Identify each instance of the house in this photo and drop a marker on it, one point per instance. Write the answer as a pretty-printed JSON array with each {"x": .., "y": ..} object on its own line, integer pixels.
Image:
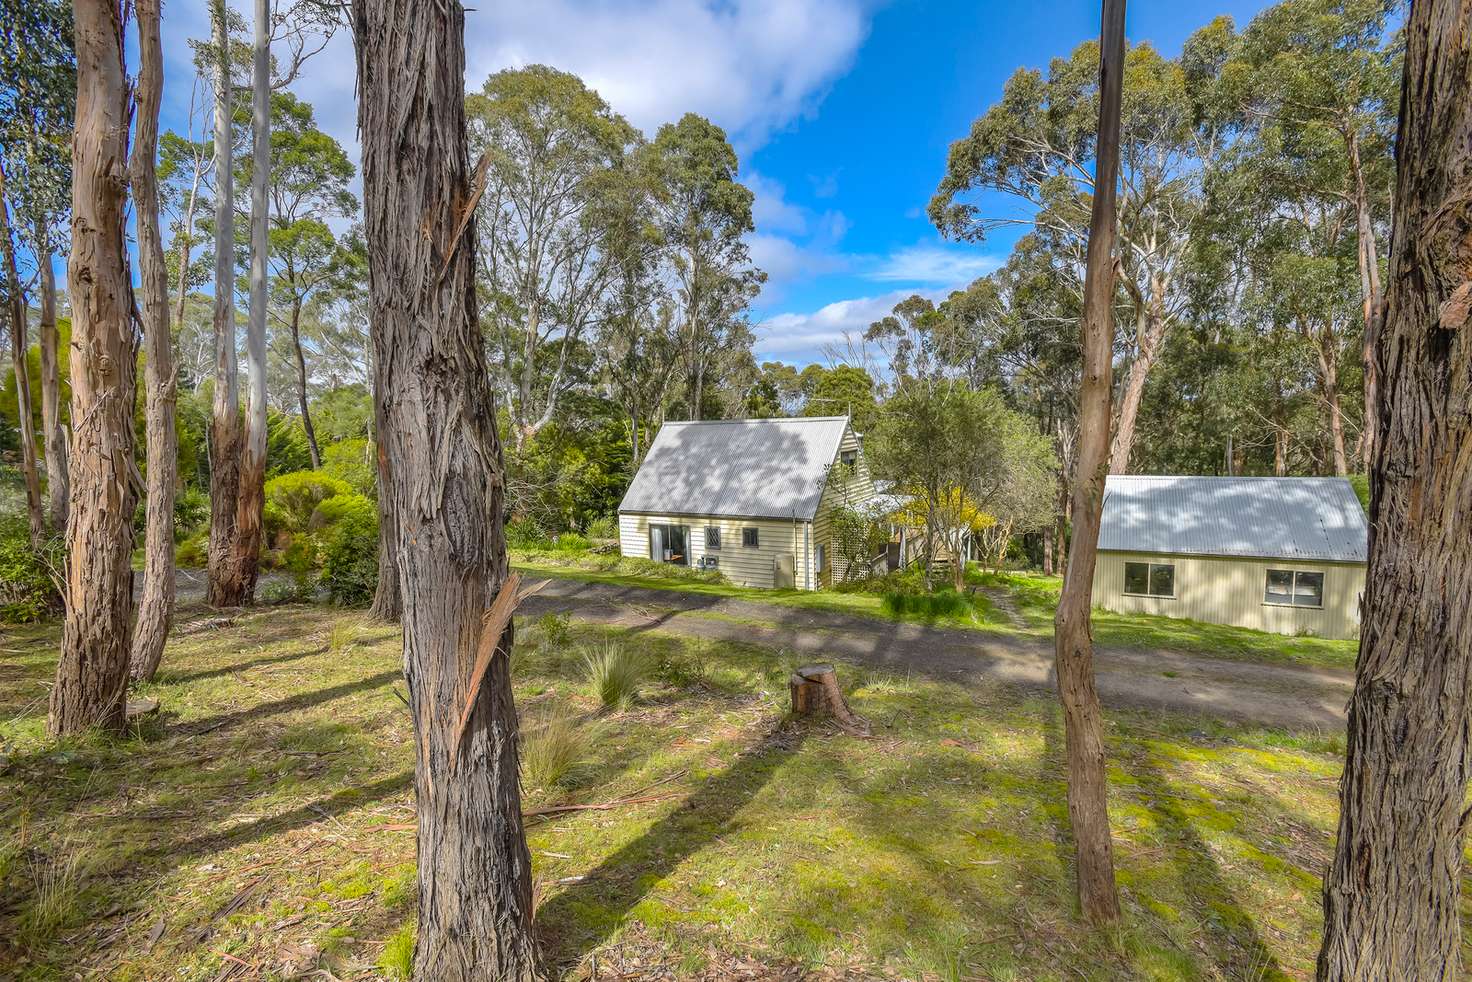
[
  {"x": 1280, "y": 554},
  {"x": 748, "y": 497}
]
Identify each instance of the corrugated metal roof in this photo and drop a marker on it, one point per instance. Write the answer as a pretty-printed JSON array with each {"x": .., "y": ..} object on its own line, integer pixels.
[
  {"x": 746, "y": 468},
  {"x": 1267, "y": 517}
]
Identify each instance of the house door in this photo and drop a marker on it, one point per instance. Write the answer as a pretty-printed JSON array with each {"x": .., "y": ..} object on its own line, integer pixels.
[
  {"x": 670, "y": 544},
  {"x": 784, "y": 574}
]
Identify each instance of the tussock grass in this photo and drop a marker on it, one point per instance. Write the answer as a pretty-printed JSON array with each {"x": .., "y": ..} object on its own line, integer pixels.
[
  {"x": 396, "y": 961},
  {"x": 344, "y": 635},
  {"x": 615, "y": 672},
  {"x": 57, "y": 881},
  {"x": 553, "y": 742}
]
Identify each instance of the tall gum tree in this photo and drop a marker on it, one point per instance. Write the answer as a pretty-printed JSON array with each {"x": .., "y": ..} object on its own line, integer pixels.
[
  {"x": 1083, "y": 719},
  {"x": 156, "y": 610},
  {"x": 475, "y": 887},
  {"x": 92, "y": 674},
  {"x": 1392, "y": 898}
]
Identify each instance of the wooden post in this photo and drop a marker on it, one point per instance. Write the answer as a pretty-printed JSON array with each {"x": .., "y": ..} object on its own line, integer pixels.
[{"x": 815, "y": 692}]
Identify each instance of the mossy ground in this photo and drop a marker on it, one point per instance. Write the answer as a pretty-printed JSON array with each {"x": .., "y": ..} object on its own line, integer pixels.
[{"x": 264, "y": 820}]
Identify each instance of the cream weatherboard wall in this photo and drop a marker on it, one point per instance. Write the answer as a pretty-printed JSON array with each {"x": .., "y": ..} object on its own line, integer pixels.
[
  {"x": 742, "y": 565},
  {"x": 1228, "y": 590},
  {"x": 853, "y": 487}
]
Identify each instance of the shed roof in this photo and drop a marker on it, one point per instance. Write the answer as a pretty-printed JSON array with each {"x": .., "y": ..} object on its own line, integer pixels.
[
  {"x": 1317, "y": 518},
  {"x": 739, "y": 468}
]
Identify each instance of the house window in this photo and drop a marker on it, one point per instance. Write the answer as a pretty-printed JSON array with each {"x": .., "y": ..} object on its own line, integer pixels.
[
  {"x": 667, "y": 544},
  {"x": 849, "y": 458},
  {"x": 1294, "y": 588},
  {"x": 822, "y": 556},
  {"x": 750, "y": 538},
  {"x": 712, "y": 537},
  {"x": 1150, "y": 579}
]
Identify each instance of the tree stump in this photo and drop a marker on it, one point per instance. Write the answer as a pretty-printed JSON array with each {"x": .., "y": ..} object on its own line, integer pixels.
[{"x": 815, "y": 692}]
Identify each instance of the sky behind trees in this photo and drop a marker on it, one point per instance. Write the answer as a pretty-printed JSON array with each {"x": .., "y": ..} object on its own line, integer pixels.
[{"x": 841, "y": 112}]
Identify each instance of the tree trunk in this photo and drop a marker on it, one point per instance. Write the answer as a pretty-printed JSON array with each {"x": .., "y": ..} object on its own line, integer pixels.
[
  {"x": 1329, "y": 386},
  {"x": 301, "y": 380},
  {"x": 19, "y": 346},
  {"x": 1047, "y": 552},
  {"x": 475, "y": 887},
  {"x": 92, "y": 674},
  {"x": 156, "y": 611},
  {"x": 245, "y": 557},
  {"x": 1392, "y": 897},
  {"x": 388, "y": 603},
  {"x": 1134, "y": 394},
  {"x": 224, "y": 447},
  {"x": 1088, "y": 807},
  {"x": 1369, "y": 263},
  {"x": 54, "y": 434}
]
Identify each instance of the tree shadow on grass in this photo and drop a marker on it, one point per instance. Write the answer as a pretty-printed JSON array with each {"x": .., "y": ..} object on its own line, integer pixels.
[
  {"x": 1230, "y": 933},
  {"x": 581, "y": 918},
  {"x": 302, "y": 700},
  {"x": 167, "y": 677}
]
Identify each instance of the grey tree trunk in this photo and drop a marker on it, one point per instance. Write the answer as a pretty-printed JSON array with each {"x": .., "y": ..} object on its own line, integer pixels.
[
  {"x": 54, "y": 434},
  {"x": 224, "y": 447},
  {"x": 92, "y": 673},
  {"x": 1392, "y": 898},
  {"x": 156, "y": 611},
  {"x": 475, "y": 887},
  {"x": 19, "y": 345},
  {"x": 1088, "y": 807},
  {"x": 388, "y": 603}
]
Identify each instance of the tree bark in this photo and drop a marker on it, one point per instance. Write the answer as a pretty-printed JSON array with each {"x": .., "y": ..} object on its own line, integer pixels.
[
  {"x": 1088, "y": 808},
  {"x": 475, "y": 888},
  {"x": 1369, "y": 263},
  {"x": 19, "y": 346},
  {"x": 1393, "y": 894},
  {"x": 156, "y": 611},
  {"x": 221, "y": 590},
  {"x": 388, "y": 603},
  {"x": 1151, "y": 334},
  {"x": 245, "y": 555},
  {"x": 92, "y": 674},
  {"x": 301, "y": 381},
  {"x": 54, "y": 434}
]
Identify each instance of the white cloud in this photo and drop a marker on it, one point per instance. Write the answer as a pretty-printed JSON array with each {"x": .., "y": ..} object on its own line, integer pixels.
[
  {"x": 932, "y": 264},
  {"x": 834, "y": 324}
]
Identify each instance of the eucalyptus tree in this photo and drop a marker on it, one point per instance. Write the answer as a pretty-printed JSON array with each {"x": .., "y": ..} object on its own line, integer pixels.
[
  {"x": 549, "y": 146},
  {"x": 1393, "y": 896},
  {"x": 307, "y": 188},
  {"x": 474, "y": 869},
  {"x": 37, "y": 51},
  {"x": 1038, "y": 144},
  {"x": 92, "y": 672},
  {"x": 1320, "y": 83},
  {"x": 702, "y": 215}
]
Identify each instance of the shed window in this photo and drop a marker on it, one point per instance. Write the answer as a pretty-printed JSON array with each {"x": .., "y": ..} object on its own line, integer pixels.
[
  {"x": 1294, "y": 588},
  {"x": 1150, "y": 579},
  {"x": 712, "y": 537},
  {"x": 750, "y": 538},
  {"x": 849, "y": 458}
]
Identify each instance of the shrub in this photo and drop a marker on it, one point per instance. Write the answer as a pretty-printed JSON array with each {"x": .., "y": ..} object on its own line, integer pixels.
[
  {"x": 397, "y": 958},
  {"x": 555, "y": 629},
  {"x": 27, "y": 590},
  {"x": 571, "y": 542},
  {"x": 292, "y": 591},
  {"x": 352, "y": 461},
  {"x": 525, "y": 533},
  {"x": 603, "y": 528},
  {"x": 552, "y": 743},
  {"x": 292, "y": 498},
  {"x": 942, "y": 603},
  {"x": 191, "y": 511},
  {"x": 615, "y": 673},
  {"x": 350, "y": 550},
  {"x": 193, "y": 552}
]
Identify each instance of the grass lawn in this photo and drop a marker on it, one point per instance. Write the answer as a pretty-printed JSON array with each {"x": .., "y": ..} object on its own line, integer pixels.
[
  {"x": 264, "y": 821},
  {"x": 1033, "y": 595}
]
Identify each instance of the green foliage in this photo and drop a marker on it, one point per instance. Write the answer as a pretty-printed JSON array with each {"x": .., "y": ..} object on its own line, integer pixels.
[
  {"x": 844, "y": 389},
  {"x": 525, "y": 533},
  {"x": 286, "y": 444},
  {"x": 615, "y": 672},
  {"x": 191, "y": 510},
  {"x": 553, "y": 742},
  {"x": 927, "y": 606},
  {"x": 1361, "y": 485},
  {"x": 603, "y": 527},
  {"x": 554, "y": 629},
  {"x": 571, "y": 542},
  {"x": 193, "y": 551},
  {"x": 350, "y": 552},
  {"x": 573, "y": 470},
  {"x": 343, "y": 413},
  {"x": 27, "y": 590},
  {"x": 352, "y": 461},
  {"x": 292, "y": 498},
  {"x": 396, "y": 960}
]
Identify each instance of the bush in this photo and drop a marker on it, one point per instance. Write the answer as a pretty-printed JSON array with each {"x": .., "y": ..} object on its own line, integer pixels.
[
  {"x": 571, "y": 542},
  {"x": 352, "y": 461},
  {"x": 193, "y": 552},
  {"x": 615, "y": 673},
  {"x": 27, "y": 591},
  {"x": 191, "y": 511},
  {"x": 942, "y": 603},
  {"x": 603, "y": 528},
  {"x": 292, "y": 498},
  {"x": 552, "y": 743},
  {"x": 525, "y": 533},
  {"x": 554, "y": 629},
  {"x": 350, "y": 550}
]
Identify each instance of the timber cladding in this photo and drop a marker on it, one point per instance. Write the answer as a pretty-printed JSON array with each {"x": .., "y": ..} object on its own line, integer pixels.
[
  {"x": 742, "y": 564},
  {"x": 1234, "y": 590}
]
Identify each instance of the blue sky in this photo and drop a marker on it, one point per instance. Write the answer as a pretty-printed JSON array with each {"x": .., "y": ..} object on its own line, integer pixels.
[{"x": 841, "y": 111}]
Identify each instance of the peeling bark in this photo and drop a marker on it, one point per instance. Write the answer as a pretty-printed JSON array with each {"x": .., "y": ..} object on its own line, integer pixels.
[
  {"x": 446, "y": 487},
  {"x": 92, "y": 674},
  {"x": 156, "y": 611},
  {"x": 1393, "y": 895},
  {"x": 19, "y": 345}
]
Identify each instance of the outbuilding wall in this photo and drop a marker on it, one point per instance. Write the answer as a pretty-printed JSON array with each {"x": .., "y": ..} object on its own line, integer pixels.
[
  {"x": 852, "y": 488},
  {"x": 1223, "y": 590},
  {"x": 741, "y": 565}
]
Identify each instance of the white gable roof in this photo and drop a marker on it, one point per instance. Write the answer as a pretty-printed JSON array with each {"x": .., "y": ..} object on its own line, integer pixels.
[
  {"x": 741, "y": 468},
  {"x": 1317, "y": 518}
]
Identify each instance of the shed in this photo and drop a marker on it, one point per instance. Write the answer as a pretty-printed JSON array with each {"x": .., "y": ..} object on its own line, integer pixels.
[
  {"x": 1280, "y": 554},
  {"x": 748, "y": 497}
]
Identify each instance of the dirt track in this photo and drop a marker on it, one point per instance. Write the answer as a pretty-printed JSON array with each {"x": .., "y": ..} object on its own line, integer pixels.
[{"x": 1273, "y": 695}]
